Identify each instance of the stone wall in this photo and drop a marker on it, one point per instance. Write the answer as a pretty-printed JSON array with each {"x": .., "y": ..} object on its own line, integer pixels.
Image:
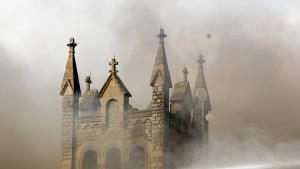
[
  {"x": 89, "y": 134},
  {"x": 69, "y": 109},
  {"x": 160, "y": 127}
]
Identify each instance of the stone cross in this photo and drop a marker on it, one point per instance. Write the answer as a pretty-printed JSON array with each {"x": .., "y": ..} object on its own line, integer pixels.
[
  {"x": 72, "y": 44},
  {"x": 185, "y": 72},
  {"x": 88, "y": 83},
  {"x": 113, "y": 64},
  {"x": 200, "y": 61}
]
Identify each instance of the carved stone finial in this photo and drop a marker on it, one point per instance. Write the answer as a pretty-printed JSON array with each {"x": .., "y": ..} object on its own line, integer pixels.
[
  {"x": 72, "y": 43},
  {"x": 201, "y": 61},
  {"x": 161, "y": 35},
  {"x": 88, "y": 83},
  {"x": 113, "y": 64}
]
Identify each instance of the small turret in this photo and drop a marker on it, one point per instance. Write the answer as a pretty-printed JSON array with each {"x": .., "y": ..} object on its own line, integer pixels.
[
  {"x": 181, "y": 103},
  {"x": 90, "y": 102}
]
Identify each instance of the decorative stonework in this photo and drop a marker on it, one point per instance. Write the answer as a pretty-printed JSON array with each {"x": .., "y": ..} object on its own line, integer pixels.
[{"x": 104, "y": 126}]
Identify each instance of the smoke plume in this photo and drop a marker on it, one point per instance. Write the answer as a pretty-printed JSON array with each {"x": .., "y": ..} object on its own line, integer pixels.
[{"x": 252, "y": 70}]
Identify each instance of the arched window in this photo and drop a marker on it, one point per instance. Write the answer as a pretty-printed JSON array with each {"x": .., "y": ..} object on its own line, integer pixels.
[
  {"x": 137, "y": 157},
  {"x": 89, "y": 160},
  {"x": 112, "y": 109},
  {"x": 113, "y": 159}
]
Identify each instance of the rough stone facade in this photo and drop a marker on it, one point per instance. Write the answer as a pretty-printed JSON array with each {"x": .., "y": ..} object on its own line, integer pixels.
[{"x": 102, "y": 130}]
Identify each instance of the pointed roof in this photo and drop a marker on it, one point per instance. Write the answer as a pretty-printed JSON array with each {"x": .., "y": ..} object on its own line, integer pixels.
[
  {"x": 181, "y": 88},
  {"x": 161, "y": 65},
  {"x": 89, "y": 99},
  {"x": 71, "y": 75},
  {"x": 109, "y": 79},
  {"x": 201, "y": 83},
  {"x": 113, "y": 75},
  {"x": 179, "y": 91}
]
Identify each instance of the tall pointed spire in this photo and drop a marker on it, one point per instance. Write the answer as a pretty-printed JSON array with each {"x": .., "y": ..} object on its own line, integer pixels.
[
  {"x": 201, "y": 82},
  {"x": 70, "y": 84},
  {"x": 161, "y": 74}
]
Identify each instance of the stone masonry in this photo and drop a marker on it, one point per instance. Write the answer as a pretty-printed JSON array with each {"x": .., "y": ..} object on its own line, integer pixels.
[{"x": 101, "y": 129}]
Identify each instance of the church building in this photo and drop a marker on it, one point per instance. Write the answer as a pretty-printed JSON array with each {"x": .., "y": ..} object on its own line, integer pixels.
[{"x": 101, "y": 129}]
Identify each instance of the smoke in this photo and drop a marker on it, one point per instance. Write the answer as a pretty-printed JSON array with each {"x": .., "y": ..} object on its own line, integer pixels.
[
  {"x": 229, "y": 152},
  {"x": 252, "y": 66},
  {"x": 252, "y": 70}
]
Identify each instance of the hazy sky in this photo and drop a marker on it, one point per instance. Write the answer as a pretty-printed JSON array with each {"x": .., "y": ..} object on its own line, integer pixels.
[{"x": 252, "y": 69}]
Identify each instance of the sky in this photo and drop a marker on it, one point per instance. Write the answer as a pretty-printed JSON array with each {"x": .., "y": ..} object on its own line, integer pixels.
[{"x": 252, "y": 68}]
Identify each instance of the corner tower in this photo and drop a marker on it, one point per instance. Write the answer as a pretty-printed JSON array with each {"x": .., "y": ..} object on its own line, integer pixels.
[
  {"x": 201, "y": 105},
  {"x": 161, "y": 83},
  {"x": 70, "y": 92},
  {"x": 182, "y": 103}
]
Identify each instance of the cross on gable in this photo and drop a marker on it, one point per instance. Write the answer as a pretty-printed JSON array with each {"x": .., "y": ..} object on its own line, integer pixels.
[{"x": 113, "y": 64}]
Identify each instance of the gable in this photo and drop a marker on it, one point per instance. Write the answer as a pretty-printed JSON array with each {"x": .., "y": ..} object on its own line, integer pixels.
[
  {"x": 158, "y": 79},
  {"x": 113, "y": 87},
  {"x": 67, "y": 88}
]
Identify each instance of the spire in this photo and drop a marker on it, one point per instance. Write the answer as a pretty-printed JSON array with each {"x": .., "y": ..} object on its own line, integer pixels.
[
  {"x": 113, "y": 64},
  {"x": 70, "y": 84},
  {"x": 185, "y": 73},
  {"x": 160, "y": 73},
  {"x": 201, "y": 83}
]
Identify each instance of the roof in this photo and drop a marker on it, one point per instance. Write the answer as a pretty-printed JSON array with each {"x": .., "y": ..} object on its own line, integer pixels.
[
  {"x": 179, "y": 90},
  {"x": 89, "y": 98},
  {"x": 71, "y": 75},
  {"x": 109, "y": 79},
  {"x": 161, "y": 67}
]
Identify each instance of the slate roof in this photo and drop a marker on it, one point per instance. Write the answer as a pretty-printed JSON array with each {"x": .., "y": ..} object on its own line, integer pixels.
[
  {"x": 89, "y": 99},
  {"x": 179, "y": 90}
]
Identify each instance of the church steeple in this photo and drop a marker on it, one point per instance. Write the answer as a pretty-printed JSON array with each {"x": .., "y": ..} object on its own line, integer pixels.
[
  {"x": 70, "y": 84},
  {"x": 160, "y": 73},
  {"x": 201, "y": 83}
]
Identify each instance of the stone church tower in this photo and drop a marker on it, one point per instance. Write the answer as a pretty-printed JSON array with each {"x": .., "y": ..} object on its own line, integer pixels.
[{"x": 103, "y": 131}]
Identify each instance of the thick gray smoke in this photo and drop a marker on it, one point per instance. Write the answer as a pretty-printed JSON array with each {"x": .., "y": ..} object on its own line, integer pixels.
[
  {"x": 247, "y": 153},
  {"x": 252, "y": 70}
]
